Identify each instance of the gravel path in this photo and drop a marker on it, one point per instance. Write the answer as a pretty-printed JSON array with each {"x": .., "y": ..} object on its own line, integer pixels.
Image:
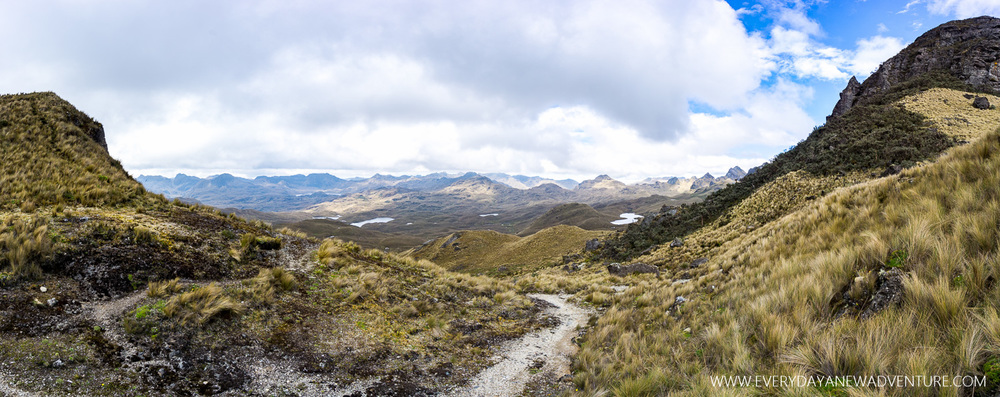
[{"x": 551, "y": 346}]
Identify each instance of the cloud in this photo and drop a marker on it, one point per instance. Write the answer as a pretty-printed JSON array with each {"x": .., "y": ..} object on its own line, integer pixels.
[
  {"x": 871, "y": 52},
  {"x": 572, "y": 88},
  {"x": 964, "y": 8}
]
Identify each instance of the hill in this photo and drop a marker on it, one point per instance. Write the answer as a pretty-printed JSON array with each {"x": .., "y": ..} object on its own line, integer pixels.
[
  {"x": 106, "y": 289},
  {"x": 875, "y": 133},
  {"x": 485, "y": 251}
]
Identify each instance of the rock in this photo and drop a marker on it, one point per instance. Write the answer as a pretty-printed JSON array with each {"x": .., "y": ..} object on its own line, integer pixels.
[
  {"x": 503, "y": 269},
  {"x": 52, "y": 302},
  {"x": 891, "y": 170},
  {"x": 847, "y": 98},
  {"x": 676, "y": 243},
  {"x": 966, "y": 49},
  {"x": 698, "y": 262},
  {"x": 680, "y": 300},
  {"x": 568, "y": 378},
  {"x": 592, "y": 245},
  {"x": 573, "y": 267},
  {"x": 621, "y": 271},
  {"x": 43, "y": 289},
  {"x": 969, "y": 96},
  {"x": 567, "y": 259},
  {"x": 981, "y": 103},
  {"x": 888, "y": 292}
]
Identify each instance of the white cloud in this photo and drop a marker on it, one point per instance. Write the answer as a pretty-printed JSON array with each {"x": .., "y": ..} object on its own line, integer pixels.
[
  {"x": 964, "y": 8},
  {"x": 882, "y": 28},
  {"x": 871, "y": 52}
]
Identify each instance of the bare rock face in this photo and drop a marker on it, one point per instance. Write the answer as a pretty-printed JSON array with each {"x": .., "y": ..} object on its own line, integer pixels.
[
  {"x": 847, "y": 98},
  {"x": 968, "y": 49}
]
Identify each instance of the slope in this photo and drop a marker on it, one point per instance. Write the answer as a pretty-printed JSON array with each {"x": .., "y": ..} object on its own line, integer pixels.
[
  {"x": 106, "y": 289},
  {"x": 484, "y": 251},
  {"x": 847, "y": 285},
  {"x": 874, "y": 132}
]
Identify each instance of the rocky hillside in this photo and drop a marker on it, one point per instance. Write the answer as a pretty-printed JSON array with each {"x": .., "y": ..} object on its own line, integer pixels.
[
  {"x": 876, "y": 134},
  {"x": 106, "y": 289}
]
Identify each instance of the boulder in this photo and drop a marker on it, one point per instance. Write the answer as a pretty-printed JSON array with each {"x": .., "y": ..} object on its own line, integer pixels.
[
  {"x": 592, "y": 245},
  {"x": 891, "y": 170},
  {"x": 888, "y": 292},
  {"x": 981, "y": 103},
  {"x": 621, "y": 271},
  {"x": 698, "y": 262},
  {"x": 676, "y": 243}
]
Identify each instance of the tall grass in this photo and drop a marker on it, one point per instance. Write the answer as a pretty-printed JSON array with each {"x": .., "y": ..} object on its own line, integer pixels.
[
  {"x": 772, "y": 309},
  {"x": 25, "y": 245}
]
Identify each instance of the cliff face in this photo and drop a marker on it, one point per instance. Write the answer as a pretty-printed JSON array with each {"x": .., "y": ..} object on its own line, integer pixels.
[{"x": 968, "y": 49}]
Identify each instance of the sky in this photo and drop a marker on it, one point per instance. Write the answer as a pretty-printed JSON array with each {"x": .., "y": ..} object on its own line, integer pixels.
[{"x": 562, "y": 89}]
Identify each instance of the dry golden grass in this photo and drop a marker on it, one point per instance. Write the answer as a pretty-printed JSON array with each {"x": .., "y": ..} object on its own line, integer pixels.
[
  {"x": 952, "y": 113},
  {"x": 764, "y": 303},
  {"x": 24, "y": 244},
  {"x": 202, "y": 305},
  {"x": 483, "y": 251}
]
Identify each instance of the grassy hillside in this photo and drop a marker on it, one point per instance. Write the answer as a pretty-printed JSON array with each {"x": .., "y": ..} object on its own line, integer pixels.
[
  {"x": 573, "y": 214},
  {"x": 892, "y": 276},
  {"x": 868, "y": 138},
  {"x": 485, "y": 251},
  {"x": 324, "y": 228},
  {"x": 106, "y": 289},
  {"x": 51, "y": 157}
]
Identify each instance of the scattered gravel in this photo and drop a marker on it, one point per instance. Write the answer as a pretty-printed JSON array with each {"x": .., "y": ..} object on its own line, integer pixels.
[{"x": 545, "y": 352}]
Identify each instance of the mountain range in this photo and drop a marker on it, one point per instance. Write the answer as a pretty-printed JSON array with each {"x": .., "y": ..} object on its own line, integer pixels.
[{"x": 299, "y": 192}]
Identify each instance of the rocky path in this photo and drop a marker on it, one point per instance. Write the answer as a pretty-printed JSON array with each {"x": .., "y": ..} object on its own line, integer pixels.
[{"x": 545, "y": 352}]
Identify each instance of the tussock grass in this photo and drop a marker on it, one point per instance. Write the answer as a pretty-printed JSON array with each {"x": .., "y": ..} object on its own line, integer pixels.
[
  {"x": 160, "y": 289},
  {"x": 772, "y": 309},
  {"x": 201, "y": 305},
  {"x": 25, "y": 245},
  {"x": 50, "y": 157}
]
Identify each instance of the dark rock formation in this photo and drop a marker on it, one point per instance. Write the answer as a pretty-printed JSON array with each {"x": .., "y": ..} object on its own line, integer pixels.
[
  {"x": 847, "y": 98},
  {"x": 676, "y": 243},
  {"x": 968, "y": 49},
  {"x": 888, "y": 292},
  {"x": 981, "y": 103},
  {"x": 698, "y": 262},
  {"x": 891, "y": 170},
  {"x": 592, "y": 245},
  {"x": 621, "y": 271}
]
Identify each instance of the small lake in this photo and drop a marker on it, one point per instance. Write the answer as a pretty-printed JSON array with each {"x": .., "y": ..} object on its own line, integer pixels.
[
  {"x": 485, "y": 215},
  {"x": 376, "y": 220},
  {"x": 627, "y": 218},
  {"x": 332, "y": 218}
]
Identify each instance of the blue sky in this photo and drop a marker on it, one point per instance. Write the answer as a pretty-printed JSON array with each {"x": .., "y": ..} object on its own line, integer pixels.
[
  {"x": 629, "y": 88},
  {"x": 841, "y": 24}
]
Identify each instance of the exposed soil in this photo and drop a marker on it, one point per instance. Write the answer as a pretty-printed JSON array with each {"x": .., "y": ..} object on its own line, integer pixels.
[{"x": 544, "y": 353}]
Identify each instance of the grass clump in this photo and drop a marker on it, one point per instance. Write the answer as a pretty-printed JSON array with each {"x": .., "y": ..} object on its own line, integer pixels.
[
  {"x": 25, "y": 245},
  {"x": 160, "y": 289},
  {"x": 271, "y": 281},
  {"x": 201, "y": 305}
]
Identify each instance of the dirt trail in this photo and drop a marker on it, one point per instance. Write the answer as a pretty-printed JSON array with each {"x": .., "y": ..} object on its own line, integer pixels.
[{"x": 553, "y": 346}]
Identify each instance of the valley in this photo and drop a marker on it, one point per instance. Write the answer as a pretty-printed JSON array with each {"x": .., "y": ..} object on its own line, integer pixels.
[{"x": 871, "y": 248}]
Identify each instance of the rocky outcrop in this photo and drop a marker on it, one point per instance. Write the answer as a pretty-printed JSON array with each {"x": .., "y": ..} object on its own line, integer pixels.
[
  {"x": 621, "y": 271},
  {"x": 847, "y": 98},
  {"x": 968, "y": 49}
]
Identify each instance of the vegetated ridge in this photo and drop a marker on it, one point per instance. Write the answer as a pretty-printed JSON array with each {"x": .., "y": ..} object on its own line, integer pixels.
[
  {"x": 106, "y": 289},
  {"x": 869, "y": 132}
]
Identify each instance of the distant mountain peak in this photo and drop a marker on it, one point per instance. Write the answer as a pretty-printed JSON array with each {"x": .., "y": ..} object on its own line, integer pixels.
[{"x": 736, "y": 173}]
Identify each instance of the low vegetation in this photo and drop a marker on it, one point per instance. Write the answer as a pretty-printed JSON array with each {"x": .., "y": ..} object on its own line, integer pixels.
[
  {"x": 869, "y": 138},
  {"x": 771, "y": 302},
  {"x": 489, "y": 252}
]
